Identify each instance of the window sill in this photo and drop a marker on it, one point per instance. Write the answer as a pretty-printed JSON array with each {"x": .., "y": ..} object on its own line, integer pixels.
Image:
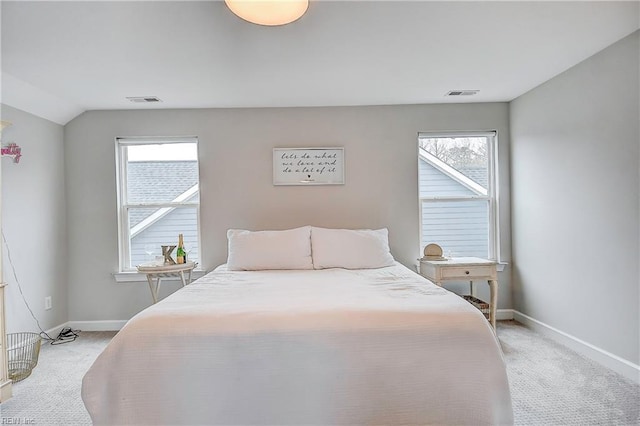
[{"x": 134, "y": 276}]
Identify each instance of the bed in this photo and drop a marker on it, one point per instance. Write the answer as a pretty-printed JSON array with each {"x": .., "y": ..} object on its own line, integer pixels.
[{"x": 303, "y": 346}]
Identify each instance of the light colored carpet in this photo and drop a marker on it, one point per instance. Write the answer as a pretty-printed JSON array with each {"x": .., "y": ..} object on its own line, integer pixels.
[
  {"x": 51, "y": 395},
  {"x": 553, "y": 385},
  {"x": 550, "y": 384}
]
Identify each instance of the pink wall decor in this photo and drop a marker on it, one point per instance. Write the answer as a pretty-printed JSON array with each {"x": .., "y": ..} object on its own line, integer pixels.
[{"x": 12, "y": 150}]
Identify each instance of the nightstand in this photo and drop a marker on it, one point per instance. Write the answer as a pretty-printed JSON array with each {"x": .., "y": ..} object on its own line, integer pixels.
[{"x": 464, "y": 269}]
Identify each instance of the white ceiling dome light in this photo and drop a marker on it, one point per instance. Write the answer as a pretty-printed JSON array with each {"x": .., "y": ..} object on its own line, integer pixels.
[{"x": 268, "y": 12}]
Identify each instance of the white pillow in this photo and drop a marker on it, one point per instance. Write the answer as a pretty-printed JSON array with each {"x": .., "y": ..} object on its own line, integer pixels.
[
  {"x": 252, "y": 251},
  {"x": 350, "y": 248}
]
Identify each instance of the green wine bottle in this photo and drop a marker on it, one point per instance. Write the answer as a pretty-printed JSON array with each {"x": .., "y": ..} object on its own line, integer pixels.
[{"x": 181, "y": 255}]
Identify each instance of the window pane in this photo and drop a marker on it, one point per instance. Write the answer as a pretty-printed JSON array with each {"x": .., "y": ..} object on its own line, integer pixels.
[
  {"x": 467, "y": 158},
  {"x": 152, "y": 228},
  {"x": 461, "y": 228},
  {"x": 162, "y": 173}
]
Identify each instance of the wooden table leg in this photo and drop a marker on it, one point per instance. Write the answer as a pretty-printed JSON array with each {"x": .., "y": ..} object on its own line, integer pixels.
[
  {"x": 150, "y": 281},
  {"x": 493, "y": 286},
  {"x": 154, "y": 287}
]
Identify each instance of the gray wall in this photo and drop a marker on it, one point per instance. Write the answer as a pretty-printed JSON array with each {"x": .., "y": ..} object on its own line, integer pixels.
[
  {"x": 575, "y": 200},
  {"x": 33, "y": 221},
  {"x": 235, "y": 154}
]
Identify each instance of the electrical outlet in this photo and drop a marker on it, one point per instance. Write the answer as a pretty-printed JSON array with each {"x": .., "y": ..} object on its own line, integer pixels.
[{"x": 47, "y": 303}]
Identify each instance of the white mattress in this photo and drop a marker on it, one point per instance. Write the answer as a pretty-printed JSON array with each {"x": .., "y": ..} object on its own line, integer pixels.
[{"x": 380, "y": 346}]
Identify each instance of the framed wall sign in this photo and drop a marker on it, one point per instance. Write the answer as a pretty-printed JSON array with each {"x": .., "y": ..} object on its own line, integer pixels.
[{"x": 308, "y": 166}]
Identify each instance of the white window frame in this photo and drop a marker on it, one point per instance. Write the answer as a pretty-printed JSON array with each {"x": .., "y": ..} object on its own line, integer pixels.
[
  {"x": 492, "y": 182},
  {"x": 124, "y": 237}
]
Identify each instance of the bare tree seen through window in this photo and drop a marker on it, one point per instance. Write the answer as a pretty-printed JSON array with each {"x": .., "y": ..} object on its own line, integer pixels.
[{"x": 459, "y": 153}]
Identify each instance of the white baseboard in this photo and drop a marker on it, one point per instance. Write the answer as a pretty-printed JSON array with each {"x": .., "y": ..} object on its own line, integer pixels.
[
  {"x": 5, "y": 390},
  {"x": 621, "y": 366},
  {"x": 504, "y": 314},
  {"x": 53, "y": 332},
  {"x": 114, "y": 325}
]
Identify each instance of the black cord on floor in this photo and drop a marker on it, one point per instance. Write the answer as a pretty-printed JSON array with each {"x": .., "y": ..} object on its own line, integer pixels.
[{"x": 66, "y": 335}]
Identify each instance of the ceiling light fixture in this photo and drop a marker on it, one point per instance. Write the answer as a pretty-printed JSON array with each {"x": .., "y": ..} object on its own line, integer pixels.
[{"x": 268, "y": 12}]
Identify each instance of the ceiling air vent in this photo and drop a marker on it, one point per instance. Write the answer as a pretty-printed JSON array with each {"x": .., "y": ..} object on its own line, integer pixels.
[
  {"x": 143, "y": 99},
  {"x": 462, "y": 92}
]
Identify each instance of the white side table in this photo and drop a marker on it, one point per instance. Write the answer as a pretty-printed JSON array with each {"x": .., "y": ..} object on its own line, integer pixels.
[
  {"x": 156, "y": 273},
  {"x": 464, "y": 269}
]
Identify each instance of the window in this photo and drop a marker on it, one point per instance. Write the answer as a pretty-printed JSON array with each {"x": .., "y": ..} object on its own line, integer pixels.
[
  {"x": 158, "y": 197},
  {"x": 458, "y": 193}
]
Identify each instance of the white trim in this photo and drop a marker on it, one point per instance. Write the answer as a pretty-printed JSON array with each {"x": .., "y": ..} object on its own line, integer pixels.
[
  {"x": 113, "y": 325},
  {"x": 121, "y": 193},
  {"x": 55, "y": 331},
  {"x": 491, "y": 194},
  {"x": 153, "y": 140},
  {"x": 494, "y": 190},
  {"x": 134, "y": 276},
  {"x": 621, "y": 366},
  {"x": 124, "y": 233},
  {"x": 6, "y": 390},
  {"x": 458, "y": 134},
  {"x": 494, "y": 223}
]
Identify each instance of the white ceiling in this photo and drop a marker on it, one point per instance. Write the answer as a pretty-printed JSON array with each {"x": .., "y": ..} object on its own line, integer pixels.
[{"x": 62, "y": 58}]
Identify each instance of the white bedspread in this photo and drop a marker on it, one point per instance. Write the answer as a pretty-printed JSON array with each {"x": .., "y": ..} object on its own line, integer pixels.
[{"x": 382, "y": 346}]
